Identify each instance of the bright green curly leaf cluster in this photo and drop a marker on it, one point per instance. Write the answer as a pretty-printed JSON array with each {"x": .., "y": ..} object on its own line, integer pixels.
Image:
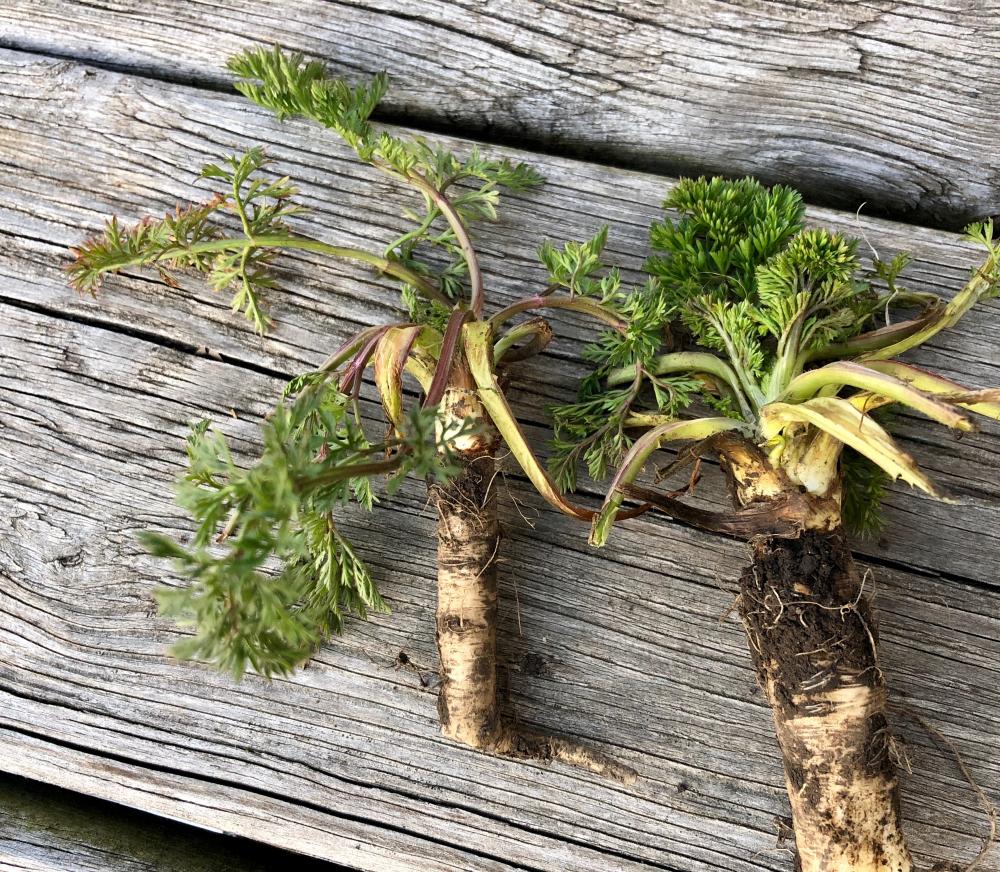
[
  {"x": 756, "y": 300},
  {"x": 746, "y": 280},
  {"x": 811, "y": 287},
  {"x": 724, "y": 232},
  {"x": 289, "y": 85}
]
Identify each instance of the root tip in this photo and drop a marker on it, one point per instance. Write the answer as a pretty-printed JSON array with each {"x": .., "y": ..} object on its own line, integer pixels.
[{"x": 542, "y": 747}]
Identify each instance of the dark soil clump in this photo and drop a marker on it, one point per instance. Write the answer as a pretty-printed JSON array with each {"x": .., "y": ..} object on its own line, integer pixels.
[
  {"x": 809, "y": 623},
  {"x": 813, "y": 640}
]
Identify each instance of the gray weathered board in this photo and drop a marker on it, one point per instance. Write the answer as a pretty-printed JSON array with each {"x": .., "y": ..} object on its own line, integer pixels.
[
  {"x": 629, "y": 648},
  {"x": 891, "y": 102},
  {"x": 44, "y": 829}
]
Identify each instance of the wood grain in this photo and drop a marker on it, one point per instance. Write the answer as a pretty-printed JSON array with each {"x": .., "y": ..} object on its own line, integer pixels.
[
  {"x": 889, "y": 103},
  {"x": 344, "y": 762},
  {"x": 84, "y": 144},
  {"x": 348, "y": 751},
  {"x": 43, "y": 829}
]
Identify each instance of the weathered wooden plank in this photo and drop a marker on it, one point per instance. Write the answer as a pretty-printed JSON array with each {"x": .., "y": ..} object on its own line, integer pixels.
[
  {"x": 344, "y": 761},
  {"x": 884, "y": 102},
  {"x": 47, "y": 830},
  {"x": 80, "y": 144}
]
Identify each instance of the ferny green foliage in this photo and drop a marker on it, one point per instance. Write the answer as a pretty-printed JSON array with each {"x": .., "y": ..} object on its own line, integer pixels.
[{"x": 756, "y": 301}]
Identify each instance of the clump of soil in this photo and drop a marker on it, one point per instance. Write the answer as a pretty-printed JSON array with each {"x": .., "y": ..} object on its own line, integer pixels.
[
  {"x": 809, "y": 623},
  {"x": 814, "y": 645}
]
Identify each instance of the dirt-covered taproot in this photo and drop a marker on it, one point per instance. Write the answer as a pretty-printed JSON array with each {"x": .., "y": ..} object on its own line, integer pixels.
[{"x": 814, "y": 641}]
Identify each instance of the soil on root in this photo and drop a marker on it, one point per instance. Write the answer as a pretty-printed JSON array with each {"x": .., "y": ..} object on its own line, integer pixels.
[
  {"x": 808, "y": 619},
  {"x": 814, "y": 642}
]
